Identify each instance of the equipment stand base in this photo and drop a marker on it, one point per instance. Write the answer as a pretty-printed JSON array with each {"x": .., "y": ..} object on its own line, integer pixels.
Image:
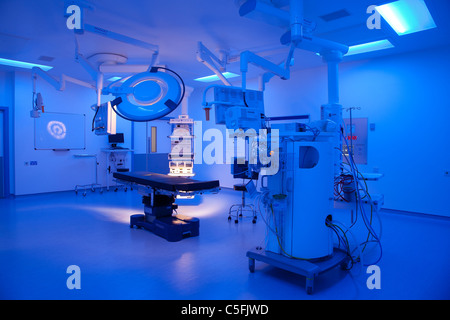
[
  {"x": 172, "y": 228},
  {"x": 306, "y": 268}
]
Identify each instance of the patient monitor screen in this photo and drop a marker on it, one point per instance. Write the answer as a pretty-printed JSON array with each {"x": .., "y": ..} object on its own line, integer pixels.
[{"x": 114, "y": 139}]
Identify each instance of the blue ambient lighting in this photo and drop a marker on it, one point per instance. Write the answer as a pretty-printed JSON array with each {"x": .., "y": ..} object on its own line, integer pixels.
[
  {"x": 21, "y": 64},
  {"x": 368, "y": 47},
  {"x": 407, "y": 16},
  {"x": 227, "y": 75}
]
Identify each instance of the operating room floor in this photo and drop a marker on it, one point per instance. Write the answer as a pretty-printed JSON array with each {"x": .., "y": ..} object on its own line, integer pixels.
[{"x": 41, "y": 235}]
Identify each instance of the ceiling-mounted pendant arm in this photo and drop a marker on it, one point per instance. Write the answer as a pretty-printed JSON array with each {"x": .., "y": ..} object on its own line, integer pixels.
[
  {"x": 93, "y": 72},
  {"x": 108, "y": 34},
  {"x": 211, "y": 61},
  {"x": 265, "y": 77},
  {"x": 296, "y": 20},
  {"x": 204, "y": 53},
  {"x": 61, "y": 84},
  {"x": 121, "y": 38},
  {"x": 249, "y": 57}
]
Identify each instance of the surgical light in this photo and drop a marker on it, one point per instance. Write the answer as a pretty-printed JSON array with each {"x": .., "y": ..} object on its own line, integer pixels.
[
  {"x": 227, "y": 75},
  {"x": 407, "y": 16},
  {"x": 369, "y": 47},
  {"x": 147, "y": 96},
  {"x": 21, "y": 64}
]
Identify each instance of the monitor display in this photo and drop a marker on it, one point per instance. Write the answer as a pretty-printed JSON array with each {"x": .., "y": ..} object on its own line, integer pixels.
[{"x": 116, "y": 138}]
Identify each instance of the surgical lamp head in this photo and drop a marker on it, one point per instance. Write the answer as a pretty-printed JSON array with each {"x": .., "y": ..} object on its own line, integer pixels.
[{"x": 148, "y": 95}]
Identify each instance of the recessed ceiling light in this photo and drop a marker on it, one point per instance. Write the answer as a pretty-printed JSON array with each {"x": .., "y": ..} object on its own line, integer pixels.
[
  {"x": 369, "y": 47},
  {"x": 114, "y": 78},
  {"x": 227, "y": 75},
  {"x": 407, "y": 16},
  {"x": 21, "y": 64}
]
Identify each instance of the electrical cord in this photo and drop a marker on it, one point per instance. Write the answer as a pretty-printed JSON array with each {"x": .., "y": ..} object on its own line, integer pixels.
[
  {"x": 359, "y": 187},
  {"x": 93, "y": 119},
  {"x": 352, "y": 178}
]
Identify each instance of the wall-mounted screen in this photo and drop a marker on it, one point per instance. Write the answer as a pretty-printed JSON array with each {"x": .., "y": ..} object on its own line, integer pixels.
[{"x": 60, "y": 131}]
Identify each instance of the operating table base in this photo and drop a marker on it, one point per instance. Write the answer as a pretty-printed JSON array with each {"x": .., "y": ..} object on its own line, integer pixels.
[
  {"x": 308, "y": 269},
  {"x": 172, "y": 228}
]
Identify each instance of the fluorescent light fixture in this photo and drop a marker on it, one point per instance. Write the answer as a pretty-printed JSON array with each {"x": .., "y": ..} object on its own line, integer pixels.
[
  {"x": 369, "y": 47},
  {"x": 21, "y": 64},
  {"x": 114, "y": 79},
  {"x": 227, "y": 75},
  {"x": 407, "y": 16}
]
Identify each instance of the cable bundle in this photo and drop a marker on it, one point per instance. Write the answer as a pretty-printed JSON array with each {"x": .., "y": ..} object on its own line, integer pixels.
[
  {"x": 350, "y": 186},
  {"x": 352, "y": 182}
]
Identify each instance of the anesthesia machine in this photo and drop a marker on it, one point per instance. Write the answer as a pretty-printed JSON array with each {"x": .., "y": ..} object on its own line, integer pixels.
[{"x": 298, "y": 198}]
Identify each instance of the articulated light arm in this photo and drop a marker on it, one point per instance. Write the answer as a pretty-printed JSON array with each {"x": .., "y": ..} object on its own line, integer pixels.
[
  {"x": 61, "y": 84},
  {"x": 211, "y": 61},
  {"x": 265, "y": 77},
  {"x": 121, "y": 38},
  {"x": 249, "y": 57}
]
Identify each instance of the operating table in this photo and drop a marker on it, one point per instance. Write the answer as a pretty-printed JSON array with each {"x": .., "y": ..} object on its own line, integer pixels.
[{"x": 159, "y": 193}]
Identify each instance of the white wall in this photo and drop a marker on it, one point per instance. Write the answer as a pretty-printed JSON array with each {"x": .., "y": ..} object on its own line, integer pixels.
[
  {"x": 56, "y": 170},
  {"x": 405, "y": 96},
  {"x": 7, "y": 100}
]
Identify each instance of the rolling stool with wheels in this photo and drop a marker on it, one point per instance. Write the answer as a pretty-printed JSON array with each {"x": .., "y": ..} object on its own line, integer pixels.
[{"x": 237, "y": 210}]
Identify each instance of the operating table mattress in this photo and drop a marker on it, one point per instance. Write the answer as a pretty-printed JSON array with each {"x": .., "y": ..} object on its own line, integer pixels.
[{"x": 166, "y": 182}]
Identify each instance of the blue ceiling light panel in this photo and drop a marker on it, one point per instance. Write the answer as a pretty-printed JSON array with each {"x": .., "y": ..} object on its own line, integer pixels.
[
  {"x": 407, "y": 16},
  {"x": 114, "y": 79},
  {"x": 369, "y": 47},
  {"x": 21, "y": 64},
  {"x": 227, "y": 75}
]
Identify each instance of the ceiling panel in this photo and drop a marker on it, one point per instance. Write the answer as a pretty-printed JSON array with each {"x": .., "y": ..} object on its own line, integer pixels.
[{"x": 30, "y": 29}]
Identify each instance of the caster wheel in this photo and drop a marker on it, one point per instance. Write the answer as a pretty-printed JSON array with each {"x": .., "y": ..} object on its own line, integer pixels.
[
  {"x": 236, "y": 221},
  {"x": 229, "y": 218},
  {"x": 254, "y": 221}
]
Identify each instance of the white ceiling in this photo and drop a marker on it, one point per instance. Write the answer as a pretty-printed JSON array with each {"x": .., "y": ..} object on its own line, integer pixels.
[{"x": 30, "y": 29}]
